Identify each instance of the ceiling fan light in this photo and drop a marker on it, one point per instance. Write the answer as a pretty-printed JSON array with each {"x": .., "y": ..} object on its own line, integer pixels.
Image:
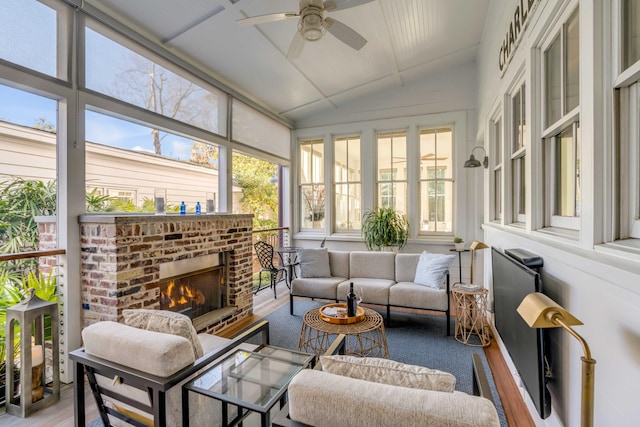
[{"x": 311, "y": 26}]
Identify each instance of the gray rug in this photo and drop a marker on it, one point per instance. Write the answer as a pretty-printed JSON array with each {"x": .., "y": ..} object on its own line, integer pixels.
[{"x": 412, "y": 338}]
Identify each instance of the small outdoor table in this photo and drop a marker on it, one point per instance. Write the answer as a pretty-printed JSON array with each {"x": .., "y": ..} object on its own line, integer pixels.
[
  {"x": 251, "y": 381},
  {"x": 364, "y": 338}
]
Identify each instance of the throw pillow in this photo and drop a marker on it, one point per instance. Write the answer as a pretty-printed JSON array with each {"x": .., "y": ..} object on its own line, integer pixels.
[
  {"x": 431, "y": 269},
  {"x": 314, "y": 262},
  {"x": 166, "y": 322},
  {"x": 386, "y": 371}
]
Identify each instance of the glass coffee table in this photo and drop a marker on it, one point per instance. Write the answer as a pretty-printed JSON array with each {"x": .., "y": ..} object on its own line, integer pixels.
[{"x": 252, "y": 381}]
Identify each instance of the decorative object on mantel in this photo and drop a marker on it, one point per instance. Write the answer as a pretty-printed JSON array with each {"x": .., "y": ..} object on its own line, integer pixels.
[
  {"x": 475, "y": 163},
  {"x": 31, "y": 315},
  {"x": 540, "y": 311}
]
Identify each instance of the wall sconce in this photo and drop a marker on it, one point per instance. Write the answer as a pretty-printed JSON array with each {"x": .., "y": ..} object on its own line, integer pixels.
[
  {"x": 475, "y": 246},
  {"x": 475, "y": 163},
  {"x": 540, "y": 311},
  {"x": 36, "y": 394}
]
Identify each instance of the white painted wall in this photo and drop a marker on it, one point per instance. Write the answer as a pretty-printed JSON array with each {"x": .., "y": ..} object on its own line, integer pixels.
[{"x": 602, "y": 290}]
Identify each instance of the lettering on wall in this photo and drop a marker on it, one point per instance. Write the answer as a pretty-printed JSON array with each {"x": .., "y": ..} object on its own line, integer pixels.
[{"x": 520, "y": 19}]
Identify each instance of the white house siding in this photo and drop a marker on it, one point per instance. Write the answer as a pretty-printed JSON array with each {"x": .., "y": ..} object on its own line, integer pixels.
[
  {"x": 602, "y": 290},
  {"x": 31, "y": 154}
]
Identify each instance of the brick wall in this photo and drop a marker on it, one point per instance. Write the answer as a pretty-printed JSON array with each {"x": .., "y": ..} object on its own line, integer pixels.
[{"x": 121, "y": 256}]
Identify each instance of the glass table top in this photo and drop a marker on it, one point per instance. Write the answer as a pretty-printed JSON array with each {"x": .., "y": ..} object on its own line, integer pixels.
[{"x": 254, "y": 380}]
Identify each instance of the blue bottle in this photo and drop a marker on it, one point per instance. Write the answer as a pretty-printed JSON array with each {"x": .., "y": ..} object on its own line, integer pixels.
[
  {"x": 198, "y": 209},
  {"x": 183, "y": 209}
]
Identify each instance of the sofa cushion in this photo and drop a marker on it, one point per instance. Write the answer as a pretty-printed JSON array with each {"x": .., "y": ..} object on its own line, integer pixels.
[
  {"x": 321, "y": 287},
  {"x": 339, "y": 261},
  {"x": 431, "y": 269},
  {"x": 386, "y": 371},
  {"x": 164, "y": 354},
  {"x": 167, "y": 322},
  {"x": 322, "y": 399},
  {"x": 374, "y": 265},
  {"x": 408, "y": 294},
  {"x": 375, "y": 291},
  {"x": 406, "y": 267},
  {"x": 314, "y": 263}
]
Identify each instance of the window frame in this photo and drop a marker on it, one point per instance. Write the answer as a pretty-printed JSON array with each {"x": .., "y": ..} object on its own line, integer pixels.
[
  {"x": 318, "y": 184},
  {"x": 518, "y": 154},
  {"x": 392, "y": 182},
  {"x": 348, "y": 182},
  {"x": 551, "y": 131}
]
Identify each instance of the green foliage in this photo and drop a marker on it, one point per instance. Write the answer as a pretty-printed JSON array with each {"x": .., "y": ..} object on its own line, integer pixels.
[
  {"x": 384, "y": 227},
  {"x": 458, "y": 240},
  {"x": 259, "y": 194}
]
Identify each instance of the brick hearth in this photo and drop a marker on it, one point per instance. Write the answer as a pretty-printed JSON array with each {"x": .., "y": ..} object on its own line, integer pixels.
[{"x": 121, "y": 257}]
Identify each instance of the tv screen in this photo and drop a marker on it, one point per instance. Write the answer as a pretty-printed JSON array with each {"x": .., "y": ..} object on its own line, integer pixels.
[{"x": 512, "y": 281}]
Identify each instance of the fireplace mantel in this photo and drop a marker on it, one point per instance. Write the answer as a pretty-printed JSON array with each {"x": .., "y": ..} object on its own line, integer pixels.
[{"x": 122, "y": 254}]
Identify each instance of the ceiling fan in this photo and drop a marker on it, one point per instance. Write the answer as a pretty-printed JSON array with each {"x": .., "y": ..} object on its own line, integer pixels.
[{"x": 313, "y": 24}]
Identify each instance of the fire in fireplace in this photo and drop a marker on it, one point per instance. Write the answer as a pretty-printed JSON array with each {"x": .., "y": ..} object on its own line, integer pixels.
[{"x": 195, "y": 293}]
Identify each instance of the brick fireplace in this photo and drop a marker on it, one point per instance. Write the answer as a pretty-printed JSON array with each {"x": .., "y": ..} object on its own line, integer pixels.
[{"x": 126, "y": 260}]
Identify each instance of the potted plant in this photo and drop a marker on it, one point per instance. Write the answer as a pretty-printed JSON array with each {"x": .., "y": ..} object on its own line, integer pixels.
[
  {"x": 384, "y": 228},
  {"x": 459, "y": 243}
]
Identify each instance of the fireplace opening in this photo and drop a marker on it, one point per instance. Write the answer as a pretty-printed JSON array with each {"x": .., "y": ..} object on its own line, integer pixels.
[{"x": 196, "y": 294}]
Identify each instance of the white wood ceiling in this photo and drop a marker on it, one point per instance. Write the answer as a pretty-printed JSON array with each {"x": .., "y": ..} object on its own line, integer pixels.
[{"x": 407, "y": 40}]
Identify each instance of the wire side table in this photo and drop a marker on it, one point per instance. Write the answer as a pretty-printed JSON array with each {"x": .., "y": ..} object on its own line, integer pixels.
[
  {"x": 471, "y": 309},
  {"x": 364, "y": 338}
]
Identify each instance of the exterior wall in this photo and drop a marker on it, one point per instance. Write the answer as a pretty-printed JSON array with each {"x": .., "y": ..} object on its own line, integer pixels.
[
  {"x": 121, "y": 257},
  {"x": 600, "y": 289}
]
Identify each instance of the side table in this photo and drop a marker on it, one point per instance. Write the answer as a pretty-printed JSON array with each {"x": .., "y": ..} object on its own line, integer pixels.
[{"x": 470, "y": 309}]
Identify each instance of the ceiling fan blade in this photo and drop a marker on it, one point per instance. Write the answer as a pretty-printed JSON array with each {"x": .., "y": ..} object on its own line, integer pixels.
[
  {"x": 331, "y": 5},
  {"x": 345, "y": 34},
  {"x": 271, "y": 17},
  {"x": 295, "y": 49}
]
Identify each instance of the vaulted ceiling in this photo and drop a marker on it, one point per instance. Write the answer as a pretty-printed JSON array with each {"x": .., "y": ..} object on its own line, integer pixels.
[{"x": 407, "y": 41}]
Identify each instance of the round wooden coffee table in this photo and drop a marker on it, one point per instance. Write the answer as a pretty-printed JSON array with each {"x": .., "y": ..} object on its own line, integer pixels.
[{"x": 364, "y": 338}]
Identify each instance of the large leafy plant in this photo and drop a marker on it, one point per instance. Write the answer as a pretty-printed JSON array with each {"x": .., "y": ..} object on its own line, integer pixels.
[{"x": 384, "y": 228}]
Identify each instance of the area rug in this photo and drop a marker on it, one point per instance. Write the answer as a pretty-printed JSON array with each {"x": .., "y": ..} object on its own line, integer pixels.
[{"x": 412, "y": 338}]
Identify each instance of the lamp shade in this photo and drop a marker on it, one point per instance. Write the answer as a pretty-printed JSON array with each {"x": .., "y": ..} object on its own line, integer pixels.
[
  {"x": 475, "y": 163},
  {"x": 540, "y": 311}
]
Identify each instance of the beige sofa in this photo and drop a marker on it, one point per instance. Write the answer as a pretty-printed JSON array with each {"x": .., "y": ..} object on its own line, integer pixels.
[
  {"x": 393, "y": 397},
  {"x": 386, "y": 278}
]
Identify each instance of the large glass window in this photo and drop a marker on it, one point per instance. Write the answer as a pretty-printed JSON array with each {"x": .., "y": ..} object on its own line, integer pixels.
[
  {"x": 436, "y": 180},
  {"x": 631, "y": 33},
  {"x": 312, "y": 190},
  {"x": 118, "y": 71},
  {"x": 253, "y": 128},
  {"x": 518, "y": 154},
  {"x": 28, "y": 36},
  {"x": 392, "y": 170},
  {"x": 123, "y": 168},
  {"x": 562, "y": 134},
  {"x": 255, "y": 189},
  {"x": 346, "y": 177}
]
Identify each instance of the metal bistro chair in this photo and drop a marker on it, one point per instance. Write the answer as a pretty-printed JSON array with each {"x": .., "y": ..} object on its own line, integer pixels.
[{"x": 265, "y": 251}]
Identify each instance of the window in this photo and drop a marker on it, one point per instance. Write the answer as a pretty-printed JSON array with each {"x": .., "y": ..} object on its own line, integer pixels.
[
  {"x": 436, "y": 181},
  {"x": 496, "y": 154},
  {"x": 122, "y": 73},
  {"x": 630, "y": 162},
  {"x": 312, "y": 190},
  {"x": 630, "y": 33},
  {"x": 346, "y": 177},
  {"x": 562, "y": 150},
  {"x": 518, "y": 153},
  {"x": 28, "y": 35},
  {"x": 392, "y": 171}
]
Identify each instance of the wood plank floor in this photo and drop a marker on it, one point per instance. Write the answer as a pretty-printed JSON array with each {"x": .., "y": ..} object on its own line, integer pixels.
[{"x": 61, "y": 414}]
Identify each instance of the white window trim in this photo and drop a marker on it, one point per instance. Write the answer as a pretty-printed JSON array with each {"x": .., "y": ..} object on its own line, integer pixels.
[
  {"x": 630, "y": 150},
  {"x": 497, "y": 161},
  {"x": 515, "y": 153},
  {"x": 335, "y": 182}
]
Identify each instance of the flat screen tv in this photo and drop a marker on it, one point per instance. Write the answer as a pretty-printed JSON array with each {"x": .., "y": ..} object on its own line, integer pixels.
[{"x": 512, "y": 281}]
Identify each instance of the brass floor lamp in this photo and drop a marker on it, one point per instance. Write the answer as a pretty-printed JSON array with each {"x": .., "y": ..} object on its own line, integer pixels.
[{"x": 540, "y": 311}]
